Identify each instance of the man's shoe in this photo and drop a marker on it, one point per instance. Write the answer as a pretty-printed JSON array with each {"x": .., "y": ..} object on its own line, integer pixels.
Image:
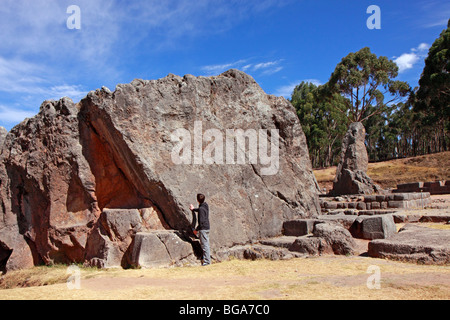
[{"x": 204, "y": 264}]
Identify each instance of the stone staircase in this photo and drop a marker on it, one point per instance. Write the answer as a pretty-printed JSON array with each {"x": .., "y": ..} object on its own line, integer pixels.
[
  {"x": 298, "y": 240},
  {"x": 341, "y": 235}
]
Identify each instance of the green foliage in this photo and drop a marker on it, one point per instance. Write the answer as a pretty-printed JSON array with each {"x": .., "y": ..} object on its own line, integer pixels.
[
  {"x": 434, "y": 91},
  {"x": 365, "y": 80},
  {"x": 362, "y": 88},
  {"x": 432, "y": 100},
  {"x": 322, "y": 124}
]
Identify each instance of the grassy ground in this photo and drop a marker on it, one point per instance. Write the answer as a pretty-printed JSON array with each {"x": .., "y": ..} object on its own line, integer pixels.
[
  {"x": 390, "y": 173},
  {"x": 327, "y": 277}
]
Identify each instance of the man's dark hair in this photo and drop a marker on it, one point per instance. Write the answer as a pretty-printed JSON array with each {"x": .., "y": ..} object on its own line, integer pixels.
[{"x": 200, "y": 198}]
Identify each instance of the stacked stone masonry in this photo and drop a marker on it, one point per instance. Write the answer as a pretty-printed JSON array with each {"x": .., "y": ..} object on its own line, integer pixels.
[
  {"x": 385, "y": 202},
  {"x": 434, "y": 187}
]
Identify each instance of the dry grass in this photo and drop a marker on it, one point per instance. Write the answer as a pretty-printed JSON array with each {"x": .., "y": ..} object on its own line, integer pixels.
[
  {"x": 439, "y": 226},
  {"x": 327, "y": 277},
  {"x": 390, "y": 173}
]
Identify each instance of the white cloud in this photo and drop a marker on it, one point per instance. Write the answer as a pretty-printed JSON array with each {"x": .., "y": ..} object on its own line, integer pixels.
[
  {"x": 271, "y": 71},
  {"x": 216, "y": 69},
  {"x": 439, "y": 23},
  {"x": 286, "y": 90},
  {"x": 434, "y": 13},
  {"x": 41, "y": 59},
  {"x": 25, "y": 78},
  {"x": 264, "y": 68},
  {"x": 75, "y": 92},
  {"x": 39, "y": 27},
  {"x": 14, "y": 115},
  {"x": 264, "y": 65},
  {"x": 423, "y": 47},
  {"x": 407, "y": 61},
  {"x": 29, "y": 84}
]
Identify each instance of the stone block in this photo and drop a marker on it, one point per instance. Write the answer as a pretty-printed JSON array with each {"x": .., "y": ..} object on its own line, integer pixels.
[
  {"x": 298, "y": 227},
  {"x": 158, "y": 249},
  {"x": 400, "y": 218},
  {"x": 401, "y": 196},
  {"x": 390, "y": 197},
  {"x": 330, "y": 205},
  {"x": 344, "y": 220},
  {"x": 352, "y": 205},
  {"x": 351, "y": 212},
  {"x": 414, "y": 244},
  {"x": 376, "y": 205},
  {"x": 398, "y": 204},
  {"x": 111, "y": 237},
  {"x": 311, "y": 246},
  {"x": 361, "y": 206},
  {"x": 415, "y": 195},
  {"x": 433, "y": 184},
  {"x": 338, "y": 237},
  {"x": 410, "y": 186},
  {"x": 370, "y": 198},
  {"x": 373, "y": 227},
  {"x": 413, "y": 218},
  {"x": 436, "y": 219}
]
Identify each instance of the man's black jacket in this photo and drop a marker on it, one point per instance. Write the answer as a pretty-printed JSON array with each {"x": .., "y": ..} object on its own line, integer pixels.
[{"x": 203, "y": 217}]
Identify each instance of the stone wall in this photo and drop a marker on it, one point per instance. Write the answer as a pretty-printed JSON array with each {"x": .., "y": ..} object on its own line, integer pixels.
[
  {"x": 378, "y": 202},
  {"x": 398, "y": 201},
  {"x": 434, "y": 187}
]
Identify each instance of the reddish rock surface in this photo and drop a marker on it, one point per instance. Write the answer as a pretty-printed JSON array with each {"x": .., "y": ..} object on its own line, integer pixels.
[{"x": 67, "y": 174}]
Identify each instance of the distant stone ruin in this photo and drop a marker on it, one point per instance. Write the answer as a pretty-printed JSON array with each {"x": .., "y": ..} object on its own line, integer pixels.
[
  {"x": 351, "y": 174},
  {"x": 375, "y": 204},
  {"x": 434, "y": 187}
]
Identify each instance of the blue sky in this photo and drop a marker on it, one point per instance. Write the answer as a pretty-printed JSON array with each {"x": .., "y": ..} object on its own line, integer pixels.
[{"x": 279, "y": 42}]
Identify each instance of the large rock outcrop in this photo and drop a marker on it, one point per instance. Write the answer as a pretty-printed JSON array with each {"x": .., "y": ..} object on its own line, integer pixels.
[
  {"x": 78, "y": 181},
  {"x": 351, "y": 173},
  {"x": 3, "y": 133}
]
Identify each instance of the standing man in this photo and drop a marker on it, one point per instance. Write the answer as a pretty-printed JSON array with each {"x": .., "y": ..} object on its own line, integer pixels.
[{"x": 203, "y": 227}]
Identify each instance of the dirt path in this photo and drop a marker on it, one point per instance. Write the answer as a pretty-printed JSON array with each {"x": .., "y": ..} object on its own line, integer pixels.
[{"x": 327, "y": 277}]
